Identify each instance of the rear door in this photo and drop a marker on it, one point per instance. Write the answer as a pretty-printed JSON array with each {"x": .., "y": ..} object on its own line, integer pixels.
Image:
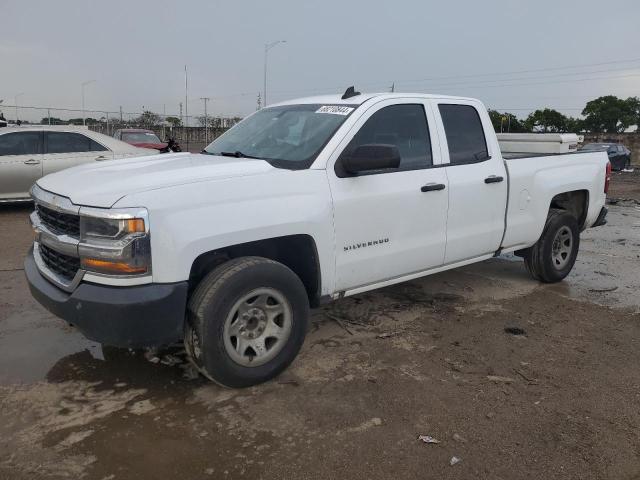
[
  {"x": 20, "y": 163},
  {"x": 477, "y": 181},
  {"x": 68, "y": 149},
  {"x": 387, "y": 224}
]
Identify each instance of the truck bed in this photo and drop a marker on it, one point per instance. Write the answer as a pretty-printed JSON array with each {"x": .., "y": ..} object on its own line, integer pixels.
[{"x": 534, "y": 183}]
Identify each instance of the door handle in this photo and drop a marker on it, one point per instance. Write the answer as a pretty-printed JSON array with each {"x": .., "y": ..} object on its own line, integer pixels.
[
  {"x": 493, "y": 179},
  {"x": 432, "y": 187},
  {"x": 101, "y": 157},
  {"x": 32, "y": 161}
]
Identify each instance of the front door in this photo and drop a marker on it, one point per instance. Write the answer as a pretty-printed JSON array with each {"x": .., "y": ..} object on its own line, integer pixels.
[
  {"x": 20, "y": 163},
  {"x": 390, "y": 223}
]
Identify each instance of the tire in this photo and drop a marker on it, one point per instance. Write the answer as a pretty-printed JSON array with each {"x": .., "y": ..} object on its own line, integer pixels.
[
  {"x": 246, "y": 321},
  {"x": 554, "y": 254}
]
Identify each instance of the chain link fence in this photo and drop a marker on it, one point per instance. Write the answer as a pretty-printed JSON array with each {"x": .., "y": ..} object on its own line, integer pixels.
[{"x": 193, "y": 133}]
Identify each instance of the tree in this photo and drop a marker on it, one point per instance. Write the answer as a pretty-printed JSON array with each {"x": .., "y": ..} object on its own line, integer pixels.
[
  {"x": 54, "y": 121},
  {"x": 218, "y": 122},
  {"x": 147, "y": 119},
  {"x": 78, "y": 121},
  {"x": 610, "y": 114},
  {"x": 575, "y": 125},
  {"x": 506, "y": 122},
  {"x": 174, "y": 121},
  {"x": 633, "y": 103},
  {"x": 545, "y": 121},
  {"x": 205, "y": 122}
]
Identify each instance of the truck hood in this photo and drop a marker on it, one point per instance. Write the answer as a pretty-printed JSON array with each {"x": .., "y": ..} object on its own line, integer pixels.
[{"x": 102, "y": 184}]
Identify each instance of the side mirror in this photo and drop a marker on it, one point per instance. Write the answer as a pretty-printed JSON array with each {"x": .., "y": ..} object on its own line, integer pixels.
[{"x": 374, "y": 156}]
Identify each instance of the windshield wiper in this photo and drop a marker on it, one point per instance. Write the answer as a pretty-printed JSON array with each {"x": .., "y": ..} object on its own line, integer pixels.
[{"x": 237, "y": 154}]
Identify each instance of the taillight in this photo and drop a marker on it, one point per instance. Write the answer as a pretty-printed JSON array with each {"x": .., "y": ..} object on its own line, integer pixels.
[{"x": 607, "y": 178}]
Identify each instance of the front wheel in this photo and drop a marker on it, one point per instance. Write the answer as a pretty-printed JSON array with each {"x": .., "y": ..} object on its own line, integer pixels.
[
  {"x": 554, "y": 254},
  {"x": 246, "y": 321}
]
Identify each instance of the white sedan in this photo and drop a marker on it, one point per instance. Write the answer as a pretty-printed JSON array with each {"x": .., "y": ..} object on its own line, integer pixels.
[{"x": 28, "y": 153}]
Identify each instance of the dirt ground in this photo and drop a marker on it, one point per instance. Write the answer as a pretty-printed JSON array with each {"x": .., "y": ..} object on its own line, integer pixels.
[
  {"x": 626, "y": 185},
  {"x": 428, "y": 357}
]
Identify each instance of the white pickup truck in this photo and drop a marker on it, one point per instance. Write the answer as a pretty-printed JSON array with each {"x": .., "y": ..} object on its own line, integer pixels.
[{"x": 301, "y": 203}]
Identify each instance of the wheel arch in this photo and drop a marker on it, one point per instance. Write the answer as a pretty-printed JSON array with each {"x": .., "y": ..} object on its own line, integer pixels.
[
  {"x": 575, "y": 202},
  {"x": 297, "y": 252}
]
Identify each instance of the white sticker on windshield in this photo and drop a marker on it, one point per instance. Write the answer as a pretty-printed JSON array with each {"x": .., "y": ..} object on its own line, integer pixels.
[{"x": 335, "y": 109}]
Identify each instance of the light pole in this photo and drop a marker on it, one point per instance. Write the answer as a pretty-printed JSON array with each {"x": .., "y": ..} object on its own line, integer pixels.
[
  {"x": 16, "y": 103},
  {"x": 206, "y": 120},
  {"x": 84, "y": 84},
  {"x": 267, "y": 47}
]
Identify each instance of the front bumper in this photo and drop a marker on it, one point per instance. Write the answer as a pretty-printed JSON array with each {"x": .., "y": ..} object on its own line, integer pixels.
[
  {"x": 138, "y": 316},
  {"x": 602, "y": 218}
]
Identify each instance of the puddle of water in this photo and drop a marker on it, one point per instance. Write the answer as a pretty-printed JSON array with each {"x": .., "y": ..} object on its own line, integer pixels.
[{"x": 31, "y": 345}]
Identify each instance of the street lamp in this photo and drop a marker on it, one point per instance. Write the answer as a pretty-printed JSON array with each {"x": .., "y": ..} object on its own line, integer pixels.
[
  {"x": 267, "y": 47},
  {"x": 84, "y": 84},
  {"x": 16, "y": 104}
]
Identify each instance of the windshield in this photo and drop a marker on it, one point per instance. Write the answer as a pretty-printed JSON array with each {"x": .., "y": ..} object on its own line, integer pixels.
[
  {"x": 140, "y": 137},
  {"x": 289, "y": 136}
]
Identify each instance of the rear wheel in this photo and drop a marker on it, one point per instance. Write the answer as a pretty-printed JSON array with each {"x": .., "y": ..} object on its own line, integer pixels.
[
  {"x": 554, "y": 254},
  {"x": 246, "y": 321}
]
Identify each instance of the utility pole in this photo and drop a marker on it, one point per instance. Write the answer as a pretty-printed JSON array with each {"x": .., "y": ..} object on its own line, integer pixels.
[
  {"x": 49, "y": 115},
  {"x": 16, "y": 102},
  {"x": 393, "y": 87},
  {"x": 267, "y": 47},
  {"x": 120, "y": 113},
  {"x": 259, "y": 106},
  {"x": 206, "y": 119},
  {"x": 181, "y": 122},
  {"x": 186, "y": 97},
  {"x": 84, "y": 84},
  {"x": 186, "y": 104}
]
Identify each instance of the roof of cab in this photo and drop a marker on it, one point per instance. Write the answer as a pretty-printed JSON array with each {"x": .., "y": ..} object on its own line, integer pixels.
[{"x": 362, "y": 98}]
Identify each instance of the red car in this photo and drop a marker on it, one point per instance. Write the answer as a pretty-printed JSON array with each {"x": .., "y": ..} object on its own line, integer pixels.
[{"x": 142, "y": 138}]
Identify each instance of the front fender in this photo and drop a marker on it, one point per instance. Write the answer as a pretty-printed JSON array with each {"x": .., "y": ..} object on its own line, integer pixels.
[{"x": 189, "y": 220}]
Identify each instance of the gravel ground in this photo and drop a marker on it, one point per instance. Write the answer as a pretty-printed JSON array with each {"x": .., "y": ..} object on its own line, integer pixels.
[{"x": 428, "y": 357}]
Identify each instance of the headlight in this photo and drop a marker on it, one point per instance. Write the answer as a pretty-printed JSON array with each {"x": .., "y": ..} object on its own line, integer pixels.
[{"x": 115, "y": 242}]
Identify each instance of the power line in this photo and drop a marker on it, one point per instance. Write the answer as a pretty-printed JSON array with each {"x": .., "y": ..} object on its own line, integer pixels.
[
  {"x": 541, "y": 83},
  {"x": 516, "y": 72},
  {"x": 385, "y": 83},
  {"x": 536, "y": 77}
]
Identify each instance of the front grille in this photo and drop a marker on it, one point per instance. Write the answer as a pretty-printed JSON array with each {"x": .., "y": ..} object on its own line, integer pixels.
[
  {"x": 63, "y": 265},
  {"x": 58, "y": 222}
]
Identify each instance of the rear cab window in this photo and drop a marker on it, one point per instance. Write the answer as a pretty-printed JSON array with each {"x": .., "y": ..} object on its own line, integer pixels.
[{"x": 465, "y": 134}]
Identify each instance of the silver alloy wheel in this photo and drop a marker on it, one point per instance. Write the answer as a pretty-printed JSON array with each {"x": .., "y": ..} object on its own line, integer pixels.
[
  {"x": 257, "y": 327},
  {"x": 561, "y": 249}
]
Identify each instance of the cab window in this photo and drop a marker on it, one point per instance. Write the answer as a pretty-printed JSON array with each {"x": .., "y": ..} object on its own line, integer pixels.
[
  {"x": 404, "y": 126},
  {"x": 465, "y": 135}
]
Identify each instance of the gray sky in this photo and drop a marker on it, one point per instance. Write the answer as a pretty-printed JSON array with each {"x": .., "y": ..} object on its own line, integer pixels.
[{"x": 136, "y": 51}]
